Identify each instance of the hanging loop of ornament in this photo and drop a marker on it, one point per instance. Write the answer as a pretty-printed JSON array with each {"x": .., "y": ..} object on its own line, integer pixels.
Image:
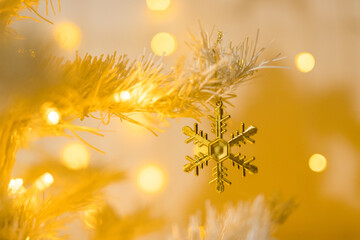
[
  {"x": 219, "y": 103},
  {"x": 219, "y": 150}
]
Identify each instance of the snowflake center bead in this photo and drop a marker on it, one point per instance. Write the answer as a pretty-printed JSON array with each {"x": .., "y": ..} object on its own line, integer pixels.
[{"x": 219, "y": 150}]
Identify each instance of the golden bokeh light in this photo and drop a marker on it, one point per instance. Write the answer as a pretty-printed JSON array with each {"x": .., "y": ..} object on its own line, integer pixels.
[
  {"x": 151, "y": 179},
  {"x": 305, "y": 62},
  {"x": 52, "y": 116},
  {"x": 44, "y": 181},
  {"x": 125, "y": 95},
  {"x": 163, "y": 44},
  {"x": 15, "y": 185},
  {"x": 317, "y": 163},
  {"x": 158, "y": 5},
  {"x": 75, "y": 156},
  {"x": 68, "y": 35},
  {"x": 122, "y": 96}
]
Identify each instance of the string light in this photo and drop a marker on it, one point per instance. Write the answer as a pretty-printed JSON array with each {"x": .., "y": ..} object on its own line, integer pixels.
[
  {"x": 163, "y": 44},
  {"x": 125, "y": 95},
  {"x": 52, "y": 116},
  {"x": 68, "y": 35},
  {"x": 305, "y": 62},
  {"x": 75, "y": 156},
  {"x": 151, "y": 179},
  {"x": 122, "y": 96},
  {"x": 158, "y": 5},
  {"x": 317, "y": 163},
  {"x": 44, "y": 181},
  {"x": 15, "y": 185}
]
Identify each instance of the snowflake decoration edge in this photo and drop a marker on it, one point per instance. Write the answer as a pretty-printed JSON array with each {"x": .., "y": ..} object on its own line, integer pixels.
[{"x": 219, "y": 149}]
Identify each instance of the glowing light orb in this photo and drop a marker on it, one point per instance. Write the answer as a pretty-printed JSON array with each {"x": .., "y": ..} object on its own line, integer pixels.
[
  {"x": 317, "y": 163},
  {"x": 53, "y": 116},
  {"x": 163, "y": 44},
  {"x": 44, "y": 181},
  {"x": 15, "y": 185},
  {"x": 122, "y": 96},
  {"x": 305, "y": 62},
  {"x": 151, "y": 179},
  {"x": 125, "y": 95},
  {"x": 75, "y": 156},
  {"x": 68, "y": 35},
  {"x": 158, "y": 5}
]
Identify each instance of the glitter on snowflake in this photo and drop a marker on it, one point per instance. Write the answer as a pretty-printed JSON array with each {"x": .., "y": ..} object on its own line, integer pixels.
[{"x": 219, "y": 149}]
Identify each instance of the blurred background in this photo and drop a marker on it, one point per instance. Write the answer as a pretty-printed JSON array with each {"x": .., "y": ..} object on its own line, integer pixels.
[{"x": 308, "y": 115}]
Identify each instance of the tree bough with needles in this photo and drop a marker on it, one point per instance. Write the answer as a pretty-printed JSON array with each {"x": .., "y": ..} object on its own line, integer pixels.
[{"x": 80, "y": 88}]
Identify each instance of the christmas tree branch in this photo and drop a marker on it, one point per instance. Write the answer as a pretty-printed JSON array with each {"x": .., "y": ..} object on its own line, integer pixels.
[
  {"x": 10, "y": 12},
  {"x": 26, "y": 212},
  {"x": 254, "y": 220},
  {"x": 44, "y": 95},
  {"x": 86, "y": 85}
]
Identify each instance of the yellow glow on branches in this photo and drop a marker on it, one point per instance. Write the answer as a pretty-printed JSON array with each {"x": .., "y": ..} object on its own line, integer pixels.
[
  {"x": 15, "y": 185},
  {"x": 317, "y": 163},
  {"x": 158, "y": 5},
  {"x": 305, "y": 62},
  {"x": 163, "y": 44},
  {"x": 117, "y": 97},
  {"x": 90, "y": 217},
  {"x": 52, "y": 116},
  {"x": 68, "y": 35},
  {"x": 44, "y": 181},
  {"x": 200, "y": 230},
  {"x": 75, "y": 156},
  {"x": 151, "y": 179}
]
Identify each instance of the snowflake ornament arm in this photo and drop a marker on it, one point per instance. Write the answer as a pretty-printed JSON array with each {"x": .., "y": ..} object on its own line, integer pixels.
[
  {"x": 237, "y": 138},
  {"x": 244, "y": 163},
  {"x": 199, "y": 139},
  {"x": 219, "y": 149},
  {"x": 195, "y": 135}
]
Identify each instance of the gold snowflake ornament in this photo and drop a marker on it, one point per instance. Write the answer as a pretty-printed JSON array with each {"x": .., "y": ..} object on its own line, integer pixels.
[{"x": 219, "y": 149}]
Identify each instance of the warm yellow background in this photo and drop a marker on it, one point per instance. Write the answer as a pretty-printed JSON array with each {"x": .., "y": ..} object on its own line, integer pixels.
[{"x": 298, "y": 114}]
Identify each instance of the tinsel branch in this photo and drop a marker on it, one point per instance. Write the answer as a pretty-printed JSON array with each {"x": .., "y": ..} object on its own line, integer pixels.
[
  {"x": 10, "y": 12},
  {"x": 254, "y": 220},
  {"x": 29, "y": 213},
  {"x": 108, "y": 224}
]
